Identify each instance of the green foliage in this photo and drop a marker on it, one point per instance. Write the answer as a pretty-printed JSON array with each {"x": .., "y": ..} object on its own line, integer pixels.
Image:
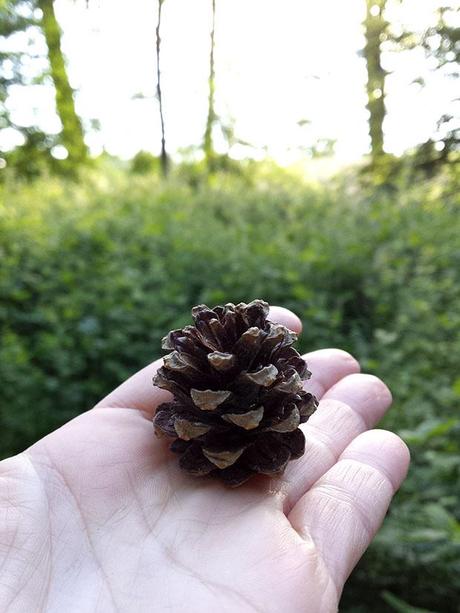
[
  {"x": 94, "y": 274},
  {"x": 144, "y": 163},
  {"x": 396, "y": 604}
]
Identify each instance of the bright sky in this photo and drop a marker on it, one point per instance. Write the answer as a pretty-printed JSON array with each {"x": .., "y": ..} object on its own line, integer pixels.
[{"x": 276, "y": 63}]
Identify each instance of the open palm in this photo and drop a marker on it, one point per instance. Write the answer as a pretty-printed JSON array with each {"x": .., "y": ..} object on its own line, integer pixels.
[{"x": 98, "y": 517}]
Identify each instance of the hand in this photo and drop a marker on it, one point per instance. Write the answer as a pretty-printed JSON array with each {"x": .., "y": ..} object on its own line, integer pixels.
[{"x": 97, "y": 516}]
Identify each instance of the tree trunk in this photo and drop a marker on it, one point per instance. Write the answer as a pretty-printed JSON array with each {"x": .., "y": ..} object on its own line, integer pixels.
[
  {"x": 375, "y": 27},
  {"x": 207, "y": 143},
  {"x": 164, "y": 160},
  {"x": 72, "y": 131}
]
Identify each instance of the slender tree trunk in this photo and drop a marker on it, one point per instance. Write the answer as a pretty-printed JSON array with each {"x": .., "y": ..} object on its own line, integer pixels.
[
  {"x": 163, "y": 156},
  {"x": 375, "y": 27},
  {"x": 207, "y": 143},
  {"x": 72, "y": 131}
]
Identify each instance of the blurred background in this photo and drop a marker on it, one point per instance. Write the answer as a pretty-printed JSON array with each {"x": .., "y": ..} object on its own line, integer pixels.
[{"x": 157, "y": 155}]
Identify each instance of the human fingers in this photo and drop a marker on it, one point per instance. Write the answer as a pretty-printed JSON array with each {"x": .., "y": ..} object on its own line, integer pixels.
[
  {"x": 327, "y": 367},
  {"x": 344, "y": 509},
  {"x": 351, "y": 406}
]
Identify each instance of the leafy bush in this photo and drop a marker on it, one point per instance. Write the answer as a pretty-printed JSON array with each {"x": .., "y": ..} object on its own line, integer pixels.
[
  {"x": 93, "y": 275},
  {"x": 144, "y": 163}
]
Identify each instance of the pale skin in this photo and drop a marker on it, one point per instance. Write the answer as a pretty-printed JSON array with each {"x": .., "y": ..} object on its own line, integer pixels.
[{"x": 98, "y": 517}]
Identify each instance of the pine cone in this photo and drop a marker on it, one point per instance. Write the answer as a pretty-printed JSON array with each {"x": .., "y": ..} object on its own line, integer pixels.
[{"x": 238, "y": 395}]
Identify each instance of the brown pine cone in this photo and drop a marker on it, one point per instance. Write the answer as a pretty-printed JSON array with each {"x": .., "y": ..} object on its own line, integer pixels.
[{"x": 238, "y": 395}]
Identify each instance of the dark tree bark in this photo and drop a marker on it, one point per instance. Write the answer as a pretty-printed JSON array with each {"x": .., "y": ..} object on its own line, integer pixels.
[
  {"x": 375, "y": 28},
  {"x": 208, "y": 146},
  {"x": 72, "y": 131},
  {"x": 163, "y": 155}
]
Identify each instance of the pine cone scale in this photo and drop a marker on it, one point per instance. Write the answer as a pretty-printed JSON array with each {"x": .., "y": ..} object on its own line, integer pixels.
[
  {"x": 208, "y": 400},
  {"x": 291, "y": 423},
  {"x": 262, "y": 459},
  {"x": 248, "y": 421},
  {"x": 264, "y": 376},
  {"x": 188, "y": 430},
  {"x": 222, "y": 362},
  {"x": 222, "y": 459},
  {"x": 194, "y": 462},
  {"x": 247, "y": 347},
  {"x": 295, "y": 441}
]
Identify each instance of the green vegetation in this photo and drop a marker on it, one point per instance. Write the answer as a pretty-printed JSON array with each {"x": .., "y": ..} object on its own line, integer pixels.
[{"x": 94, "y": 274}]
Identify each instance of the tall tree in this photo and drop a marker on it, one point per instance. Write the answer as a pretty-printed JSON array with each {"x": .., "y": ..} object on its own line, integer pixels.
[
  {"x": 163, "y": 156},
  {"x": 72, "y": 131},
  {"x": 441, "y": 42},
  {"x": 440, "y": 39},
  {"x": 12, "y": 22},
  {"x": 208, "y": 146},
  {"x": 21, "y": 67},
  {"x": 375, "y": 28}
]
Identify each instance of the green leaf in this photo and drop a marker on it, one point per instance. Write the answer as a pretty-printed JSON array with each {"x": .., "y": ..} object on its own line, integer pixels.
[
  {"x": 456, "y": 387},
  {"x": 429, "y": 429},
  {"x": 400, "y": 606}
]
